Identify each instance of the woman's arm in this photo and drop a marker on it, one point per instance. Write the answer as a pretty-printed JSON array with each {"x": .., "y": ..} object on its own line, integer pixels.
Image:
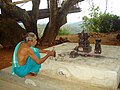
[
  {"x": 44, "y": 51},
  {"x": 41, "y": 60}
]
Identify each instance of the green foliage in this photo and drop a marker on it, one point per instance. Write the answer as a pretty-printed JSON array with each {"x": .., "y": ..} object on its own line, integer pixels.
[
  {"x": 63, "y": 31},
  {"x": 92, "y": 23},
  {"x": 109, "y": 23},
  {"x": 100, "y": 22}
]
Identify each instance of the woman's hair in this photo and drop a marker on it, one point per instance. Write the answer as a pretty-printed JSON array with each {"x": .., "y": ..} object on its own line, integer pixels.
[{"x": 29, "y": 36}]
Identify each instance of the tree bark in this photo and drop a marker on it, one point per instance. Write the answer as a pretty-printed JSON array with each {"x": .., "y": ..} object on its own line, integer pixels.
[
  {"x": 10, "y": 33},
  {"x": 10, "y": 10},
  {"x": 57, "y": 19},
  {"x": 30, "y": 22},
  {"x": 34, "y": 16}
]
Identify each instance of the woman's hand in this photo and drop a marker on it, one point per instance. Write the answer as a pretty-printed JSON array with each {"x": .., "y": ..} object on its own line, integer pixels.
[
  {"x": 52, "y": 53},
  {"x": 47, "y": 51}
]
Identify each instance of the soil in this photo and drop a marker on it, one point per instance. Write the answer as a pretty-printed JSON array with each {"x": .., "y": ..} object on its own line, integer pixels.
[{"x": 106, "y": 39}]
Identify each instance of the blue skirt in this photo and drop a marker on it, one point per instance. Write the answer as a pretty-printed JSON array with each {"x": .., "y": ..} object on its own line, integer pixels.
[{"x": 30, "y": 66}]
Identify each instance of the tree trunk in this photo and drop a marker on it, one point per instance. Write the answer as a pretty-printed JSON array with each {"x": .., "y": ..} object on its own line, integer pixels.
[
  {"x": 30, "y": 22},
  {"x": 10, "y": 33},
  {"x": 34, "y": 16},
  {"x": 57, "y": 19},
  {"x": 50, "y": 30}
]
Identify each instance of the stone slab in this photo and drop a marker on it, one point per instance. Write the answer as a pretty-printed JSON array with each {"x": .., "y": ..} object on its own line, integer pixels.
[
  {"x": 102, "y": 70},
  {"x": 43, "y": 82}
]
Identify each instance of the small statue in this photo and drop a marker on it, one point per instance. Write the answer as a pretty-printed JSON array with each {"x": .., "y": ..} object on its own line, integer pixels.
[
  {"x": 83, "y": 47},
  {"x": 84, "y": 42},
  {"x": 97, "y": 49}
]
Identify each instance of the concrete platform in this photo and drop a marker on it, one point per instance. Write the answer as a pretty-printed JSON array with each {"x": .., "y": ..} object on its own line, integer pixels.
[
  {"x": 102, "y": 70},
  {"x": 64, "y": 73},
  {"x": 41, "y": 82}
]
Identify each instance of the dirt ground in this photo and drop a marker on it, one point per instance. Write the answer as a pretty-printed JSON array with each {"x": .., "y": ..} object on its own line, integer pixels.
[{"x": 106, "y": 39}]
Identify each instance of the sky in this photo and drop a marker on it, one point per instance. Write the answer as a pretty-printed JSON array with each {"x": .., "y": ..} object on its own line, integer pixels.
[{"x": 112, "y": 7}]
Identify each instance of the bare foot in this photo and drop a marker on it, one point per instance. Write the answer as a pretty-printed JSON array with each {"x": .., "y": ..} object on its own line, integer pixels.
[
  {"x": 33, "y": 74},
  {"x": 30, "y": 75}
]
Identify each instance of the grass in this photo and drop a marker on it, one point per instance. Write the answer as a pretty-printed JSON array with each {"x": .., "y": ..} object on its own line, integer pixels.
[{"x": 63, "y": 31}]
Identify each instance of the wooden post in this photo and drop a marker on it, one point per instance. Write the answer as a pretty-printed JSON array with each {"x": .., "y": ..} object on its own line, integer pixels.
[{"x": 48, "y": 4}]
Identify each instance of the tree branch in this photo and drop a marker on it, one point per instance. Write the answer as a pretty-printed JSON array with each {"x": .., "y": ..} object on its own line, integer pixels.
[
  {"x": 19, "y": 2},
  {"x": 14, "y": 11},
  {"x": 67, "y": 6}
]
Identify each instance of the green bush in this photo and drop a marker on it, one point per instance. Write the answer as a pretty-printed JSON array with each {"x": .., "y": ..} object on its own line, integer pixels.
[
  {"x": 100, "y": 22},
  {"x": 109, "y": 23},
  {"x": 63, "y": 31}
]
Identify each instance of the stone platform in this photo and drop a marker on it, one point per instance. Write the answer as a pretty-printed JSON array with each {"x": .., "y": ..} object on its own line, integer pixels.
[{"x": 100, "y": 70}]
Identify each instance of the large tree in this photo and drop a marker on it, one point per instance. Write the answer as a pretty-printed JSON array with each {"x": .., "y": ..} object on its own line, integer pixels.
[{"x": 11, "y": 12}]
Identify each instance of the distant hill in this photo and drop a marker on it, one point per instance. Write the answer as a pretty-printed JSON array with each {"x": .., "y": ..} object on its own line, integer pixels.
[{"x": 72, "y": 28}]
